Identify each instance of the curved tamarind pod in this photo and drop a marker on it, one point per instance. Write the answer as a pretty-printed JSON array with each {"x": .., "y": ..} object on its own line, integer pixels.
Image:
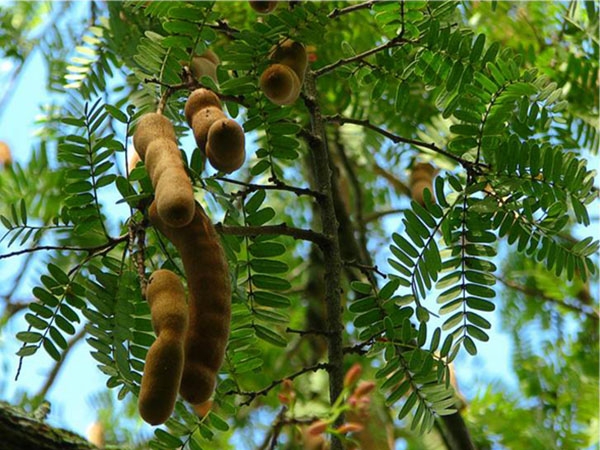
[
  {"x": 199, "y": 99},
  {"x": 165, "y": 358},
  {"x": 421, "y": 177},
  {"x": 280, "y": 84},
  {"x": 225, "y": 146},
  {"x": 202, "y": 122},
  {"x": 209, "y": 301},
  {"x": 205, "y": 64},
  {"x": 155, "y": 142}
]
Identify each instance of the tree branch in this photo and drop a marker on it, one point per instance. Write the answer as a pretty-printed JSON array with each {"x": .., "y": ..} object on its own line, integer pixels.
[
  {"x": 322, "y": 175},
  {"x": 397, "y": 139},
  {"x": 296, "y": 233},
  {"x": 90, "y": 250},
  {"x": 533, "y": 292}
]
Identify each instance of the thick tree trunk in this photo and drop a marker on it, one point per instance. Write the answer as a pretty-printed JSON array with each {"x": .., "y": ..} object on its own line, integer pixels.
[{"x": 19, "y": 431}]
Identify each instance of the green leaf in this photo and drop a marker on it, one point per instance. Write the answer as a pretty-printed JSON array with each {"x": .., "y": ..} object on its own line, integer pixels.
[
  {"x": 266, "y": 249},
  {"x": 361, "y": 288},
  {"x": 167, "y": 439},
  {"x": 270, "y": 283},
  {"x": 269, "y": 336},
  {"x": 271, "y": 299},
  {"x": 29, "y": 337},
  {"x": 51, "y": 349}
]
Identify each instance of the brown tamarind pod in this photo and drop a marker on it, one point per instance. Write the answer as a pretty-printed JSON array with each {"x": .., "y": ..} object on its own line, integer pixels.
[
  {"x": 155, "y": 142},
  {"x": 164, "y": 362},
  {"x": 263, "y": 7},
  {"x": 280, "y": 84},
  {"x": 292, "y": 54},
  {"x": 205, "y": 65},
  {"x": 225, "y": 146},
  {"x": 202, "y": 122},
  {"x": 198, "y": 100},
  {"x": 150, "y": 127},
  {"x": 209, "y": 305},
  {"x": 421, "y": 178},
  {"x": 282, "y": 81}
]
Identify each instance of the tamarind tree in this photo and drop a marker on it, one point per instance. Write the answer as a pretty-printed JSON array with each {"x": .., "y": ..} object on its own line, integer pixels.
[{"x": 423, "y": 179}]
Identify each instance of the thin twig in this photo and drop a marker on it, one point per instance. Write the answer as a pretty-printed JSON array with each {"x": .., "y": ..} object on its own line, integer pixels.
[
  {"x": 251, "y": 395},
  {"x": 580, "y": 309},
  {"x": 251, "y": 187},
  {"x": 396, "y": 139},
  {"x": 90, "y": 250},
  {"x": 337, "y": 12},
  {"x": 395, "y": 42},
  {"x": 379, "y": 214},
  {"x": 365, "y": 268},
  {"x": 296, "y": 233}
]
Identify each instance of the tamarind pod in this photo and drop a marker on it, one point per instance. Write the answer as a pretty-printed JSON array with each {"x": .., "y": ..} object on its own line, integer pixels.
[
  {"x": 173, "y": 189},
  {"x": 421, "y": 178},
  {"x": 211, "y": 56},
  {"x": 293, "y": 55},
  {"x": 205, "y": 64},
  {"x": 150, "y": 127},
  {"x": 422, "y": 171},
  {"x": 202, "y": 122},
  {"x": 164, "y": 362},
  {"x": 198, "y": 100},
  {"x": 156, "y": 143},
  {"x": 263, "y": 7},
  {"x": 5, "y": 154},
  {"x": 280, "y": 84},
  {"x": 209, "y": 306},
  {"x": 201, "y": 66},
  {"x": 225, "y": 146}
]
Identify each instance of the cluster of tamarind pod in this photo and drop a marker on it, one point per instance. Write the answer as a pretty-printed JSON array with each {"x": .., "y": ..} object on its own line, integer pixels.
[{"x": 191, "y": 336}]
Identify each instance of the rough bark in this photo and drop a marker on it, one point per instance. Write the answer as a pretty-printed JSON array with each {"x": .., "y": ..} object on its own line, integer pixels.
[{"x": 20, "y": 431}]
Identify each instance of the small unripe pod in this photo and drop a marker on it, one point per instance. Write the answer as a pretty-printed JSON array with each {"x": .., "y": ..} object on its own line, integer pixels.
[
  {"x": 209, "y": 287},
  {"x": 263, "y": 7},
  {"x": 156, "y": 143},
  {"x": 226, "y": 145},
  {"x": 164, "y": 362},
  {"x": 421, "y": 178}
]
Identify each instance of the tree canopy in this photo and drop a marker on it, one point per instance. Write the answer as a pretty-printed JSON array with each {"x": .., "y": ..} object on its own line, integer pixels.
[{"x": 432, "y": 171}]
